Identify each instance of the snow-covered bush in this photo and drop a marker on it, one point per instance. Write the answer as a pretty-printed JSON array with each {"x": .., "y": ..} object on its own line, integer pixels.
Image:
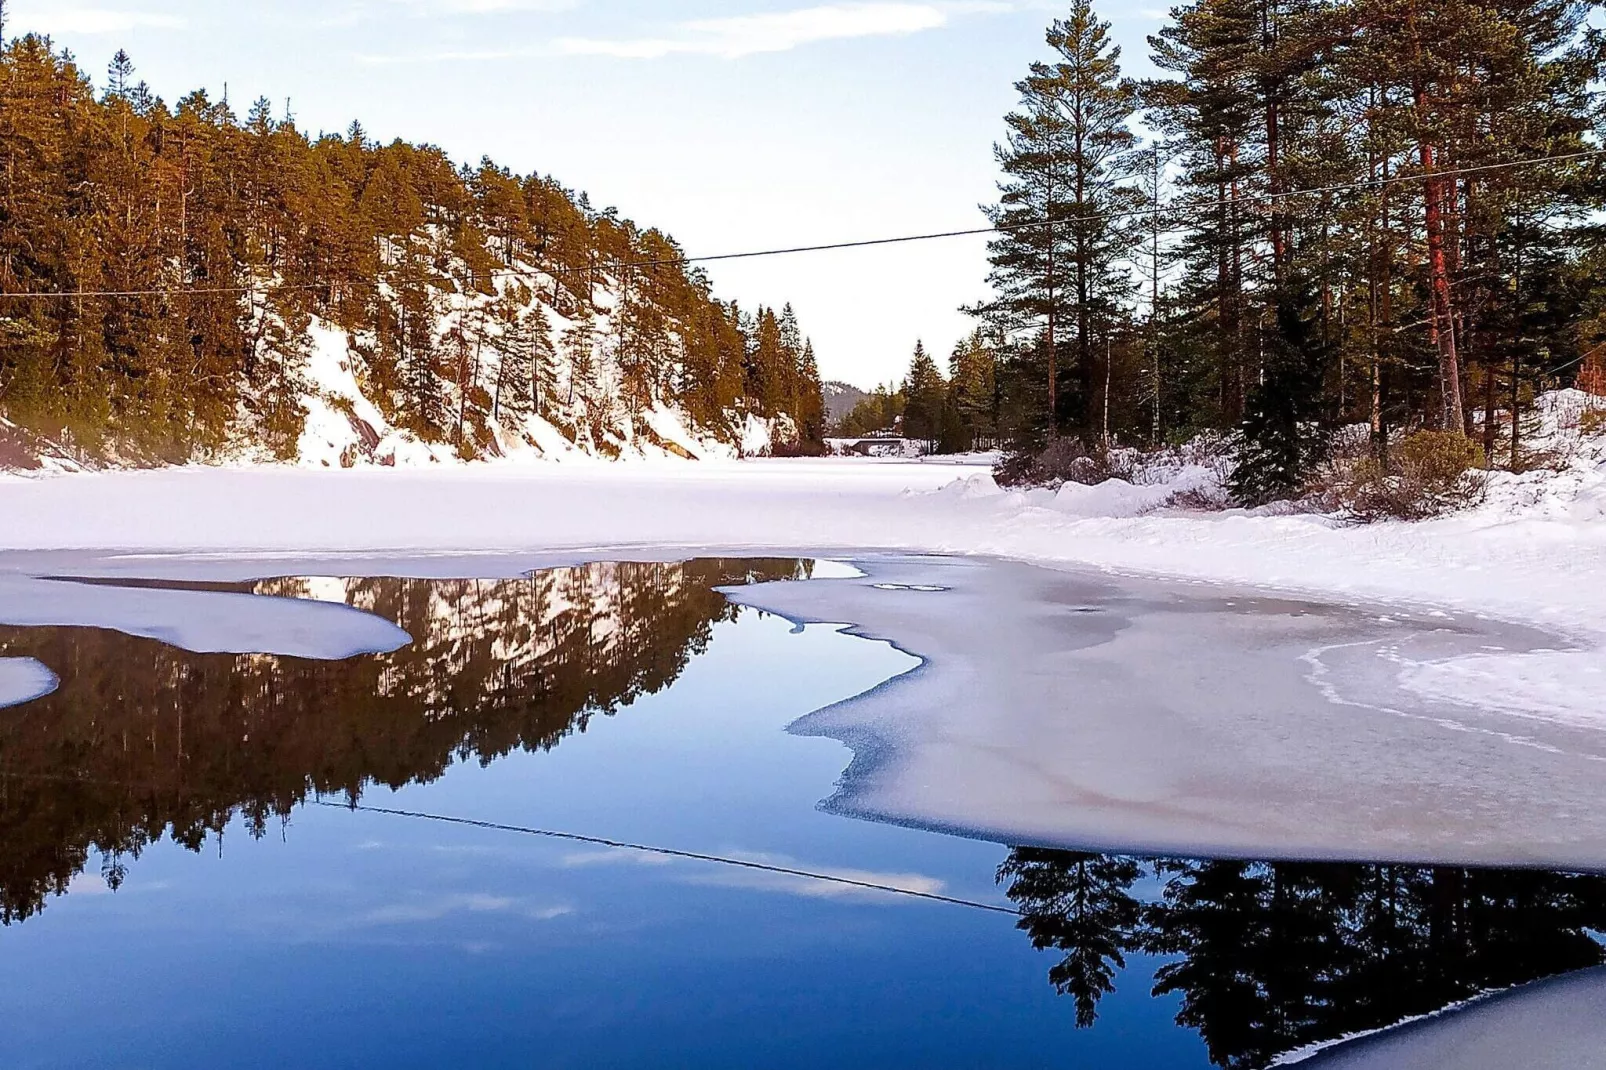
[
  {"x": 1428, "y": 473},
  {"x": 1063, "y": 460}
]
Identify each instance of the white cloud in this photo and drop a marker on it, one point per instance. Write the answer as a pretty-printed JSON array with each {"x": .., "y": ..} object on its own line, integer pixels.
[
  {"x": 780, "y": 31},
  {"x": 730, "y": 37},
  {"x": 480, "y": 7},
  {"x": 422, "y": 909},
  {"x": 614, "y": 857},
  {"x": 49, "y": 19},
  {"x": 336, "y": 16},
  {"x": 811, "y": 882},
  {"x": 826, "y": 882}
]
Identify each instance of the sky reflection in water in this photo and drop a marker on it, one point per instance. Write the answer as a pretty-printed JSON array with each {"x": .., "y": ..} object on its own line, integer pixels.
[{"x": 630, "y": 702}]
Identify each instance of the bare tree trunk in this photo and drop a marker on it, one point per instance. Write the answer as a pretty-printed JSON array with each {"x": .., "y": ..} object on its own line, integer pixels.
[
  {"x": 1441, "y": 330},
  {"x": 1108, "y": 365},
  {"x": 1385, "y": 323},
  {"x": 1488, "y": 416}
]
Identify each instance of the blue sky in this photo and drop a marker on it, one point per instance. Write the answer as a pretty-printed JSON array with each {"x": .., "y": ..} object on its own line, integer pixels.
[{"x": 731, "y": 124}]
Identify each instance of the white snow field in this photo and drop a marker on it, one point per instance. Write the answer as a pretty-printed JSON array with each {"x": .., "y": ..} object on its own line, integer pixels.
[
  {"x": 1555, "y": 1024},
  {"x": 23, "y": 680}
]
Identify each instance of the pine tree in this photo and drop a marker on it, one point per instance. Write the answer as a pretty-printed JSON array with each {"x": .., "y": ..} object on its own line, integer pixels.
[
  {"x": 811, "y": 398},
  {"x": 580, "y": 347},
  {"x": 972, "y": 377},
  {"x": 925, "y": 396},
  {"x": 1098, "y": 105},
  {"x": 1083, "y": 906},
  {"x": 1055, "y": 263},
  {"x": 119, "y": 76}
]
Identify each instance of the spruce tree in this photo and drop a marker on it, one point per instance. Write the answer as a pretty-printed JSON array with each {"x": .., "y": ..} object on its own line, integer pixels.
[
  {"x": 1284, "y": 436},
  {"x": 925, "y": 395}
]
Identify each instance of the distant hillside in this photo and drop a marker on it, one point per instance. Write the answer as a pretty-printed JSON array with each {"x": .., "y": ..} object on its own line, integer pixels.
[
  {"x": 840, "y": 399},
  {"x": 211, "y": 288}
]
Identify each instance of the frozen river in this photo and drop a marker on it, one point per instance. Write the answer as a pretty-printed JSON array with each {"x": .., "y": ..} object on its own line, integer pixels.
[{"x": 450, "y": 811}]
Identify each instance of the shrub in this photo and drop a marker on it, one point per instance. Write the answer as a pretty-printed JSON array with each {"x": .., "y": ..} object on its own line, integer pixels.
[
  {"x": 799, "y": 449},
  {"x": 1592, "y": 421},
  {"x": 1064, "y": 460},
  {"x": 1430, "y": 473},
  {"x": 1206, "y": 498}
]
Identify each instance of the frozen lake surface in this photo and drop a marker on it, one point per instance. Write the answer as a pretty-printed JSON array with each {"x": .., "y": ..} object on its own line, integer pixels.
[
  {"x": 435, "y": 812},
  {"x": 1089, "y": 711}
]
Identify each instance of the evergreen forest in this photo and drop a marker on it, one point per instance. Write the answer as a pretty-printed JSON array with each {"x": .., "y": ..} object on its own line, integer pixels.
[
  {"x": 1322, "y": 214},
  {"x": 166, "y": 271}
]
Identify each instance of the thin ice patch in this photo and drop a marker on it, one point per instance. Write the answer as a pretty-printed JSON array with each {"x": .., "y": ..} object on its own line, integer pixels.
[{"x": 24, "y": 680}]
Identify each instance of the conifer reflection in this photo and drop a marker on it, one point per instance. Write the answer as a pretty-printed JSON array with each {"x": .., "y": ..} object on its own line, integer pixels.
[
  {"x": 143, "y": 740},
  {"x": 1271, "y": 956}
]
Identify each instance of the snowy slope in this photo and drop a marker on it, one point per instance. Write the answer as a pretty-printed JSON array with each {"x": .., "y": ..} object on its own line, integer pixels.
[
  {"x": 588, "y": 414},
  {"x": 840, "y": 398}
]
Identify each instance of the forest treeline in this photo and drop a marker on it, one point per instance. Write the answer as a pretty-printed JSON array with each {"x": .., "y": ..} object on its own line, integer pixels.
[
  {"x": 949, "y": 414},
  {"x": 193, "y": 250},
  {"x": 1323, "y": 213}
]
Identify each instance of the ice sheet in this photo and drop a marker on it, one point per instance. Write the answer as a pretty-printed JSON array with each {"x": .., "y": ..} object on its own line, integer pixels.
[
  {"x": 23, "y": 680},
  {"x": 1557, "y": 1024},
  {"x": 1086, "y": 711},
  {"x": 205, "y": 622}
]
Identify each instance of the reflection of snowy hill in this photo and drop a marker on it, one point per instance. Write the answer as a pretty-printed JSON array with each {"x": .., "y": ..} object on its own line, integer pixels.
[{"x": 145, "y": 739}]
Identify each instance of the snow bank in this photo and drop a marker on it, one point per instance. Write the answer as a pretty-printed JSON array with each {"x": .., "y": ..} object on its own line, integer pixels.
[
  {"x": 23, "y": 680},
  {"x": 1557, "y": 1024},
  {"x": 1534, "y": 551},
  {"x": 1112, "y": 498},
  {"x": 204, "y": 622}
]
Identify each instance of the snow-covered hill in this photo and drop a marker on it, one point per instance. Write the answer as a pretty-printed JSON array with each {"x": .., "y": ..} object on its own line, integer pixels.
[
  {"x": 346, "y": 426},
  {"x": 840, "y": 398},
  {"x": 519, "y": 371}
]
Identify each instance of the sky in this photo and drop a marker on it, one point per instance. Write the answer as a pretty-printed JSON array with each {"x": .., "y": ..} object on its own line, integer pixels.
[{"x": 732, "y": 125}]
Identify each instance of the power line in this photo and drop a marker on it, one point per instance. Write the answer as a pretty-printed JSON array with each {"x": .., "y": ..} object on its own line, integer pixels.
[
  {"x": 575, "y": 837},
  {"x": 740, "y": 863},
  {"x": 1150, "y": 212},
  {"x": 1135, "y": 213}
]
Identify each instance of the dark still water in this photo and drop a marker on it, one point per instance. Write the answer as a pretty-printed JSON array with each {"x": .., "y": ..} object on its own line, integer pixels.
[{"x": 238, "y": 860}]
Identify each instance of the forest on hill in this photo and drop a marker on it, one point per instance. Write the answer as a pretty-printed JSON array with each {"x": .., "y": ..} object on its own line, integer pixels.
[
  {"x": 173, "y": 278},
  {"x": 1323, "y": 214}
]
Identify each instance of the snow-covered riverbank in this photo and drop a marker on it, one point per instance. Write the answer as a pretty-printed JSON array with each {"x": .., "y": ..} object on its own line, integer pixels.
[{"x": 1531, "y": 554}]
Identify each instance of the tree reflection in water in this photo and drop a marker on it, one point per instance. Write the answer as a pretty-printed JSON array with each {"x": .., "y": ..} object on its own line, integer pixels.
[
  {"x": 1272, "y": 956},
  {"x": 143, "y": 739}
]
